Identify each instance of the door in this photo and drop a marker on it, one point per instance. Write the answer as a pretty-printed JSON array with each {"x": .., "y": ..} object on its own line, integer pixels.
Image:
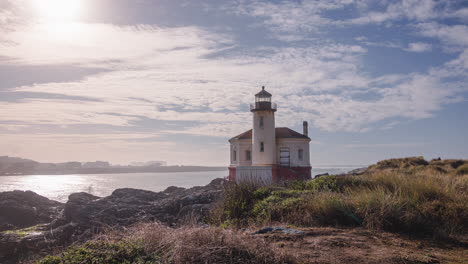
[{"x": 284, "y": 157}]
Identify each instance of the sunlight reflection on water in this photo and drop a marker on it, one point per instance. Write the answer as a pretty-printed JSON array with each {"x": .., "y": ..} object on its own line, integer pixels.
[{"x": 59, "y": 187}]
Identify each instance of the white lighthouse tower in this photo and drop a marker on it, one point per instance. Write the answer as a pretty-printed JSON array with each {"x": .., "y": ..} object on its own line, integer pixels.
[{"x": 264, "y": 138}]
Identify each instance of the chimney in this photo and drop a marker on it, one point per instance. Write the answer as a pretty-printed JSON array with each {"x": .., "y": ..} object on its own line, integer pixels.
[{"x": 305, "y": 129}]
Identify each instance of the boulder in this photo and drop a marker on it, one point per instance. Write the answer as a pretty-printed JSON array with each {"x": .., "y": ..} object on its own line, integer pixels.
[
  {"x": 20, "y": 209},
  {"x": 85, "y": 215}
]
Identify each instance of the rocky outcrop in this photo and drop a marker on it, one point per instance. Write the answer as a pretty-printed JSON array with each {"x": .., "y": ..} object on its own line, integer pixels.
[
  {"x": 85, "y": 215},
  {"x": 20, "y": 209}
]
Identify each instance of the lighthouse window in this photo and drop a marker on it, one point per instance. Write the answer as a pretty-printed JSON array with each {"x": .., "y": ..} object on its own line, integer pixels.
[
  {"x": 247, "y": 155},
  {"x": 300, "y": 154},
  {"x": 261, "y": 122},
  {"x": 262, "y": 147}
]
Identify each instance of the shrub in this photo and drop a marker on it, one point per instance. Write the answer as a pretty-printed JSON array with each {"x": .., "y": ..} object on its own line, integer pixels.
[
  {"x": 238, "y": 202},
  {"x": 457, "y": 163},
  {"x": 422, "y": 202},
  {"x": 325, "y": 183},
  {"x": 462, "y": 170}
]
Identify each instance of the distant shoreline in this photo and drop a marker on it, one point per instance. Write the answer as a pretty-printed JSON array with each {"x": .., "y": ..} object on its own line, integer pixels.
[{"x": 123, "y": 170}]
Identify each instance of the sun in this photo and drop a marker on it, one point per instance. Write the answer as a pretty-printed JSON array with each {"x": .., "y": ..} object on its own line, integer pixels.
[{"x": 58, "y": 10}]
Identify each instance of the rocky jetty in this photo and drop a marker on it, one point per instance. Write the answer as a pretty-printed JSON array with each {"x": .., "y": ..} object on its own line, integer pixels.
[{"x": 37, "y": 225}]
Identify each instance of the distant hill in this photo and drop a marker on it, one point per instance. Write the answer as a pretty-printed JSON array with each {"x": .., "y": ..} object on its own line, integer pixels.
[{"x": 19, "y": 166}]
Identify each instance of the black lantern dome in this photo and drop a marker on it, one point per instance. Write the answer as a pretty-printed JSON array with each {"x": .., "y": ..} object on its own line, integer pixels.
[{"x": 263, "y": 102}]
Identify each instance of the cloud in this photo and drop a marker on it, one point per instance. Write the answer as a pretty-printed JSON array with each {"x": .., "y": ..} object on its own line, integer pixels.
[
  {"x": 213, "y": 92},
  {"x": 461, "y": 13},
  {"x": 412, "y": 47},
  {"x": 453, "y": 36},
  {"x": 419, "y": 47},
  {"x": 121, "y": 148},
  {"x": 317, "y": 84},
  {"x": 288, "y": 19},
  {"x": 406, "y": 9},
  {"x": 387, "y": 145},
  {"x": 187, "y": 76},
  {"x": 101, "y": 44}
]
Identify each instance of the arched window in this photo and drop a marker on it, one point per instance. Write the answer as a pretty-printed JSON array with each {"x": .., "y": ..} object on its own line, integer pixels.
[
  {"x": 300, "y": 154},
  {"x": 262, "y": 147},
  {"x": 234, "y": 155}
]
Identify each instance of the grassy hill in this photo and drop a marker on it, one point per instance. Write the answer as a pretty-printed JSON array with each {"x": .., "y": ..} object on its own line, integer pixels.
[{"x": 407, "y": 195}]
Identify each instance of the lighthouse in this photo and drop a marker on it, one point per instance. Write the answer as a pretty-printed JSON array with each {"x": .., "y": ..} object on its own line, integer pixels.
[
  {"x": 264, "y": 139},
  {"x": 266, "y": 154}
]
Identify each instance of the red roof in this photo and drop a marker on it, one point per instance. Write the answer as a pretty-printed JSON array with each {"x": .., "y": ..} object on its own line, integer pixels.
[{"x": 281, "y": 132}]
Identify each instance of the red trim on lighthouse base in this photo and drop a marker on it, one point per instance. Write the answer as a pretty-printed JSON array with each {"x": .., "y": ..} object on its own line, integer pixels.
[
  {"x": 232, "y": 174},
  {"x": 293, "y": 174}
]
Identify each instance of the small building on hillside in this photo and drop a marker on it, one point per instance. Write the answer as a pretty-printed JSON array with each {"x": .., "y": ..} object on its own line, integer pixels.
[{"x": 268, "y": 154}]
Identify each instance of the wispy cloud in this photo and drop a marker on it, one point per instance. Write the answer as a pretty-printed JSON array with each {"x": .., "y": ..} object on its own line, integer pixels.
[
  {"x": 419, "y": 47},
  {"x": 411, "y": 47},
  {"x": 387, "y": 145},
  {"x": 103, "y": 44},
  {"x": 452, "y": 36}
]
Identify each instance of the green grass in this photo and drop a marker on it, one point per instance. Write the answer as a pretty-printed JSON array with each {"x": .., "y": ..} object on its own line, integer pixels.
[
  {"x": 104, "y": 252},
  {"x": 25, "y": 231},
  {"x": 413, "y": 199},
  {"x": 462, "y": 170}
]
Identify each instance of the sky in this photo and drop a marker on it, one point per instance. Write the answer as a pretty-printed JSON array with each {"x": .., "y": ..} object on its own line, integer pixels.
[{"x": 142, "y": 80}]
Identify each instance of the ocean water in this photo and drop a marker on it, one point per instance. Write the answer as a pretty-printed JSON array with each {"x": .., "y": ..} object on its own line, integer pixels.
[{"x": 59, "y": 187}]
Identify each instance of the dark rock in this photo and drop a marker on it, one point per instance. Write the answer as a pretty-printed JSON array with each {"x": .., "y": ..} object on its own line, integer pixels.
[
  {"x": 173, "y": 189},
  {"x": 19, "y": 209},
  {"x": 84, "y": 215},
  {"x": 321, "y": 175},
  {"x": 358, "y": 171},
  {"x": 283, "y": 230},
  {"x": 76, "y": 201}
]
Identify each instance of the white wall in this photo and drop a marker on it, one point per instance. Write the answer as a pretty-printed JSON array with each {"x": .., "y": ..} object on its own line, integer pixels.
[
  {"x": 265, "y": 134},
  {"x": 294, "y": 144},
  {"x": 241, "y": 146},
  {"x": 257, "y": 175}
]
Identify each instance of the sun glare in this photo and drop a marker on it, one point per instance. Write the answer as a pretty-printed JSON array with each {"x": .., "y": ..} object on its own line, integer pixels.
[{"x": 58, "y": 10}]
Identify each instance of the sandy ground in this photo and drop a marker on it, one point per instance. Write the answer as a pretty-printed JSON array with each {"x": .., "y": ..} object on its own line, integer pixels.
[{"x": 356, "y": 245}]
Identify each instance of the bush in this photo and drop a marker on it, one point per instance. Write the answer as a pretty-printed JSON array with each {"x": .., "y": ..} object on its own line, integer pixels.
[
  {"x": 462, "y": 170},
  {"x": 238, "y": 202},
  {"x": 325, "y": 183},
  {"x": 422, "y": 202}
]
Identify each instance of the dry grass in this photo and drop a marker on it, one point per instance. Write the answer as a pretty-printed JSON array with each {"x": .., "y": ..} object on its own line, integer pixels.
[
  {"x": 404, "y": 196},
  {"x": 155, "y": 243}
]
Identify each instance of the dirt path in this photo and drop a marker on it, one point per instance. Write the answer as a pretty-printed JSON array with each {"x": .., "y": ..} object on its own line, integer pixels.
[{"x": 334, "y": 245}]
